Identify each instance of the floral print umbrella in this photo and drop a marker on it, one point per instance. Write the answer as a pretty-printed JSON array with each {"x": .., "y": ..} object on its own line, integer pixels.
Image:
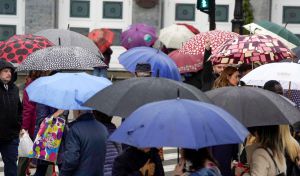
[{"x": 253, "y": 48}]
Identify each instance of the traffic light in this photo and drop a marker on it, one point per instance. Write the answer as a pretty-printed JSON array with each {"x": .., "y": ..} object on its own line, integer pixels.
[{"x": 203, "y": 5}]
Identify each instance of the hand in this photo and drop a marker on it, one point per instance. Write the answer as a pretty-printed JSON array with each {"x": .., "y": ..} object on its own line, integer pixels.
[
  {"x": 207, "y": 44},
  {"x": 148, "y": 168},
  {"x": 22, "y": 132},
  {"x": 179, "y": 168},
  {"x": 58, "y": 113}
]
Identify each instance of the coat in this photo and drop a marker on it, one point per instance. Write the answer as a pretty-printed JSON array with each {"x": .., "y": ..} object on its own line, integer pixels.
[
  {"x": 132, "y": 159},
  {"x": 85, "y": 147},
  {"x": 10, "y": 108},
  {"x": 29, "y": 112}
]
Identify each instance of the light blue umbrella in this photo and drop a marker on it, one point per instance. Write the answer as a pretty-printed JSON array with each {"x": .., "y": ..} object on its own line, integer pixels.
[
  {"x": 160, "y": 63},
  {"x": 179, "y": 123},
  {"x": 67, "y": 91}
]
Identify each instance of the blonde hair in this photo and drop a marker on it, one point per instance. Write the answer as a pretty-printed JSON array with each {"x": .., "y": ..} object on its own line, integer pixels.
[
  {"x": 290, "y": 144},
  {"x": 222, "y": 80}
]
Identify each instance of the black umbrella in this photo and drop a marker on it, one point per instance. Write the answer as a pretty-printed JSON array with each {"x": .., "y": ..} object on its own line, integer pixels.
[
  {"x": 255, "y": 106},
  {"x": 61, "y": 58},
  {"x": 124, "y": 97}
]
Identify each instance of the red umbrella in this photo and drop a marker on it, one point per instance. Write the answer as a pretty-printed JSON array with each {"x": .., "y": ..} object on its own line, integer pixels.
[
  {"x": 253, "y": 48},
  {"x": 102, "y": 37},
  {"x": 187, "y": 63},
  {"x": 196, "y": 45},
  {"x": 18, "y": 47},
  {"x": 190, "y": 27}
]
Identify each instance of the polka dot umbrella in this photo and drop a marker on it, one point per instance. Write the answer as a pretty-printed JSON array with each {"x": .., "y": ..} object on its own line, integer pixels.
[
  {"x": 18, "y": 47},
  {"x": 196, "y": 45}
]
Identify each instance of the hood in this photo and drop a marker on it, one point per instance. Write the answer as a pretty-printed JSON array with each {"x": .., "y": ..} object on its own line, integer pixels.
[{"x": 3, "y": 65}]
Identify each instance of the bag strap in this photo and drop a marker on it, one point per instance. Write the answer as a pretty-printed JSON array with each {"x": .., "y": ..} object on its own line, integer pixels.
[{"x": 271, "y": 156}]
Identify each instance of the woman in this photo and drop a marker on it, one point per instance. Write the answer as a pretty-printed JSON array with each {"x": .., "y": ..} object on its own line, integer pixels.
[
  {"x": 201, "y": 163},
  {"x": 266, "y": 156},
  {"x": 228, "y": 77}
]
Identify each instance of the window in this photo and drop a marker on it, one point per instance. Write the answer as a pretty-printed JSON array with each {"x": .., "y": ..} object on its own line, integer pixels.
[
  {"x": 185, "y": 12},
  {"x": 8, "y": 7},
  {"x": 112, "y": 10},
  {"x": 7, "y": 31},
  {"x": 83, "y": 31},
  {"x": 117, "y": 39},
  {"x": 222, "y": 13},
  {"x": 291, "y": 14},
  {"x": 80, "y": 8}
]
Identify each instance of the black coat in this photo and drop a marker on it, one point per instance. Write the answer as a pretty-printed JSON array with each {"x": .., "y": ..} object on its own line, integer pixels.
[
  {"x": 10, "y": 108},
  {"x": 132, "y": 159}
]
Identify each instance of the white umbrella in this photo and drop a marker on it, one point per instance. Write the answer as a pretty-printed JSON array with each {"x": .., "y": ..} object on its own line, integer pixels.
[
  {"x": 288, "y": 74},
  {"x": 175, "y": 35}
]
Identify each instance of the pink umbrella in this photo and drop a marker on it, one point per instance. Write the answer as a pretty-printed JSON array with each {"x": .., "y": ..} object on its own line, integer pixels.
[{"x": 138, "y": 35}]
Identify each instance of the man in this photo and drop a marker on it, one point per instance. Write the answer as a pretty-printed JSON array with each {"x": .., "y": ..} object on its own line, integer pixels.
[
  {"x": 10, "y": 118},
  {"x": 143, "y": 70},
  {"x": 85, "y": 146}
]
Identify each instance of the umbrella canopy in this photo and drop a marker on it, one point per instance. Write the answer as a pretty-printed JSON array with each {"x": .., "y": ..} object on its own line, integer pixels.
[
  {"x": 249, "y": 49},
  {"x": 124, "y": 97},
  {"x": 196, "y": 45},
  {"x": 62, "y": 37},
  {"x": 190, "y": 27},
  {"x": 286, "y": 73},
  {"x": 18, "y": 47},
  {"x": 103, "y": 38},
  {"x": 187, "y": 63},
  {"x": 255, "y": 106},
  {"x": 138, "y": 35},
  {"x": 179, "y": 123},
  {"x": 174, "y": 36},
  {"x": 66, "y": 91},
  {"x": 160, "y": 63},
  {"x": 274, "y": 30},
  {"x": 61, "y": 58}
]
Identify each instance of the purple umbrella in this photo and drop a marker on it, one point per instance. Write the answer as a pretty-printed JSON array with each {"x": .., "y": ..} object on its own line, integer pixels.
[{"x": 138, "y": 35}]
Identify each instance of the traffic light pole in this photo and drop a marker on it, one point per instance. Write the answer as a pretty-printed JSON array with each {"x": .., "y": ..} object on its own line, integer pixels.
[{"x": 212, "y": 15}]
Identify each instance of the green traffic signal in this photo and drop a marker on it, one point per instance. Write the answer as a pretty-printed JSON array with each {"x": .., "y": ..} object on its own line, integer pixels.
[{"x": 203, "y": 5}]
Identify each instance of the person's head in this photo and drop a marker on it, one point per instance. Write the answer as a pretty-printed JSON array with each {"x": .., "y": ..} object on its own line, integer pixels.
[
  {"x": 197, "y": 158},
  {"x": 290, "y": 144},
  {"x": 273, "y": 86},
  {"x": 143, "y": 70},
  {"x": 101, "y": 117},
  {"x": 244, "y": 69},
  {"x": 107, "y": 55},
  {"x": 229, "y": 77},
  {"x": 34, "y": 74},
  {"x": 6, "y": 71},
  {"x": 219, "y": 68}
]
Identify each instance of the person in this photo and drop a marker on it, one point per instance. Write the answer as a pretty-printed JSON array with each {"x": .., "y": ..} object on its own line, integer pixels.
[
  {"x": 143, "y": 70},
  {"x": 273, "y": 86},
  {"x": 229, "y": 77},
  {"x": 202, "y": 163},
  {"x": 113, "y": 149},
  {"x": 102, "y": 72},
  {"x": 244, "y": 69},
  {"x": 85, "y": 146},
  {"x": 138, "y": 162},
  {"x": 10, "y": 118}
]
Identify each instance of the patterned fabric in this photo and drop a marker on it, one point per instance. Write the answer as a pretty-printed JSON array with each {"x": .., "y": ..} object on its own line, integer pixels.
[
  {"x": 253, "y": 48},
  {"x": 18, "y": 47},
  {"x": 294, "y": 96},
  {"x": 196, "y": 45},
  {"x": 103, "y": 38},
  {"x": 61, "y": 58}
]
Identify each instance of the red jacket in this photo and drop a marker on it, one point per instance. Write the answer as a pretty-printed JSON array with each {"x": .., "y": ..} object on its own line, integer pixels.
[{"x": 29, "y": 112}]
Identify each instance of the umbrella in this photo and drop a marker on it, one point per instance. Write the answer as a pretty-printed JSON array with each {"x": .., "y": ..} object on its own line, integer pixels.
[
  {"x": 138, "y": 35},
  {"x": 18, "y": 47},
  {"x": 160, "y": 62},
  {"x": 196, "y": 45},
  {"x": 297, "y": 52},
  {"x": 190, "y": 27},
  {"x": 123, "y": 97},
  {"x": 187, "y": 63},
  {"x": 274, "y": 30},
  {"x": 179, "y": 123},
  {"x": 255, "y": 106},
  {"x": 64, "y": 37},
  {"x": 66, "y": 91},
  {"x": 61, "y": 58},
  {"x": 286, "y": 73},
  {"x": 175, "y": 35},
  {"x": 102, "y": 37},
  {"x": 249, "y": 49}
]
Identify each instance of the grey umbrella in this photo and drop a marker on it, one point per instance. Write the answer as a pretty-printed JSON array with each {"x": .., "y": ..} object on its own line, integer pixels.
[
  {"x": 61, "y": 58},
  {"x": 255, "y": 106},
  {"x": 62, "y": 37},
  {"x": 124, "y": 97}
]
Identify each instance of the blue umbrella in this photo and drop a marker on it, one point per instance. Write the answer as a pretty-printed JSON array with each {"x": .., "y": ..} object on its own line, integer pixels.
[
  {"x": 160, "y": 62},
  {"x": 67, "y": 91},
  {"x": 179, "y": 123}
]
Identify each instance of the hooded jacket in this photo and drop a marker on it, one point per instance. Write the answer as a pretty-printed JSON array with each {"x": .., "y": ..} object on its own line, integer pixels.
[{"x": 10, "y": 107}]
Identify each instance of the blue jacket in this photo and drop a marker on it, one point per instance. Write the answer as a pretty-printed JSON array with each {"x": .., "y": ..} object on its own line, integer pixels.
[{"x": 85, "y": 148}]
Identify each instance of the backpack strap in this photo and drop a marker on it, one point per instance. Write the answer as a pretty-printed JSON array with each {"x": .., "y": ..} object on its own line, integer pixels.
[{"x": 271, "y": 156}]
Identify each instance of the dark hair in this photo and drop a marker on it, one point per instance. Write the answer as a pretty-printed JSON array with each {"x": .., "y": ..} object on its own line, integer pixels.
[
  {"x": 198, "y": 157},
  {"x": 101, "y": 117},
  {"x": 271, "y": 86},
  {"x": 244, "y": 67}
]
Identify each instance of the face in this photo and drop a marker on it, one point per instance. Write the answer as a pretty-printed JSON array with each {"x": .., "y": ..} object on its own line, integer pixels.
[
  {"x": 234, "y": 79},
  {"x": 5, "y": 75},
  {"x": 278, "y": 89},
  {"x": 143, "y": 74},
  {"x": 219, "y": 68}
]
